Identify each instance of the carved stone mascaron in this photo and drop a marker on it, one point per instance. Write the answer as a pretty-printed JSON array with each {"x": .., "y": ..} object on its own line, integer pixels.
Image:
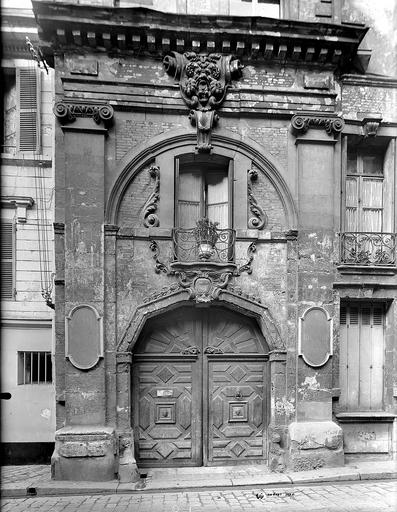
[{"x": 203, "y": 82}]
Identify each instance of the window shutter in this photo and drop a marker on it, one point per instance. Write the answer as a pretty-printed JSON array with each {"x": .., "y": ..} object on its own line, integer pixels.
[
  {"x": 351, "y": 204},
  {"x": 362, "y": 356},
  {"x": 217, "y": 201},
  {"x": 7, "y": 260},
  {"x": 372, "y": 200},
  {"x": 189, "y": 199},
  {"x": 28, "y": 101}
]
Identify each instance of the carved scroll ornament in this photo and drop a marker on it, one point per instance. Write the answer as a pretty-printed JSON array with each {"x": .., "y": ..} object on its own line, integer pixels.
[
  {"x": 203, "y": 82},
  {"x": 259, "y": 218},
  {"x": 150, "y": 218},
  {"x": 68, "y": 112},
  {"x": 301, "y": 123}
]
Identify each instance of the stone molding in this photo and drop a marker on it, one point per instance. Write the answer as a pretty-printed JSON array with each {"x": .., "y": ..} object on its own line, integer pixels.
[
  {"x": 67, "y": 112},
  {"x": 225, "y": 143},
  {"x": 20, "y": 203},
  {"x": 332, "y": 124},
  {"x": 177, "y": 296},
  {"x": 93, "y": 340}
]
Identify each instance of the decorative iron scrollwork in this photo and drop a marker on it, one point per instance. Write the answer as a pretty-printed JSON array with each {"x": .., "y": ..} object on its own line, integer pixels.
[
  {"x": 150, "y": 219},
  {"x": 194, "y": 351},
  {"x": 368, "y": 248},
  {"x": 213, "y": 350},
  {"x": 259, "y": 219}
]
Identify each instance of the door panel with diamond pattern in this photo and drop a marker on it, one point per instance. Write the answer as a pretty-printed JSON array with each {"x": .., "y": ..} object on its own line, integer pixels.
[
  {"x": 199, "y": 390},
  {"x": 236, "y": 411}
]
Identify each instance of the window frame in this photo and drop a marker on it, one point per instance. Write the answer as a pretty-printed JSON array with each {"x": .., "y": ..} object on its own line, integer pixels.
[
  {"x": 21, "y": 363},
  {"x": 225, "y": 165}
]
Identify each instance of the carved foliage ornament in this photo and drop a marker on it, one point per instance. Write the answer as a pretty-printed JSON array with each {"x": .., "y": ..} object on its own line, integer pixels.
[
  {"x": 333, "y": 125},
  {"x": 203, "y": 82}
]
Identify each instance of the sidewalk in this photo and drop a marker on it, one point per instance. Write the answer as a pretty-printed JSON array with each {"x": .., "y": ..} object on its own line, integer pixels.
[{"x": 18, "y": 481}]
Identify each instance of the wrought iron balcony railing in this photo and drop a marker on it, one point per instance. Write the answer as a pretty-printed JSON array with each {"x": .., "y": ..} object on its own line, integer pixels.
[
  {"x": 368, "y": 248},
  {"x": 204, "y": 243}
]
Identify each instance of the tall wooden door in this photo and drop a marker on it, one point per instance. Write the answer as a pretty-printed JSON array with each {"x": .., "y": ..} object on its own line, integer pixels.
[{"x": 199, "y": 390}]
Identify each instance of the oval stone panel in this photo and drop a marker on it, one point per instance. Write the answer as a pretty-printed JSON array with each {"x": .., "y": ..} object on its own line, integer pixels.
[
  {"x": 84, "y": 340},
  {"x": 315, "y": 336}
]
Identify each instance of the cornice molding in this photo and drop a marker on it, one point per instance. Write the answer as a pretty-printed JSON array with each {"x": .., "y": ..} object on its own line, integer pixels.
[
  {"x": 369, "y": 81},
  {"x": 146, "y": 31},
  {"x": 20, "y": 203}
]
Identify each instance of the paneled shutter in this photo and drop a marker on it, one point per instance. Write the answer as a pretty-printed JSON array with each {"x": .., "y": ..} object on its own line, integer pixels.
[
  {"x": 7, "y": 260},
  {"x": 28, "y": 102},
  {"x": 361, "y": 356}
]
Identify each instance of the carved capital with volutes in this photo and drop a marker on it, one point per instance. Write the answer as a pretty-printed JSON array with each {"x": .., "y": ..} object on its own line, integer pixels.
[
  {"x": 67, "y": 112},
  {"x": 301, "y": 123}
]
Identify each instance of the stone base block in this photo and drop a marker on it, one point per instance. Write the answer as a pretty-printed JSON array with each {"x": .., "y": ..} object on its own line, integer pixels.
[
  {"x": 84, "y": 453},
  {"x": 128, "y": 470},
  {"x": 313, "y": 445}
]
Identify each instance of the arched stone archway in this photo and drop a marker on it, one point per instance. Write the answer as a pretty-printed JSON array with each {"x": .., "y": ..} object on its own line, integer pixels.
[
  {"x": 271, "y": 352},
  {"x": 178, "y": 142}
]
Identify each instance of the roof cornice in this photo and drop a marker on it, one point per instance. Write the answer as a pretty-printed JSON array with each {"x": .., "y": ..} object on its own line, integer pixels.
[{"x": 145, "y": 31}]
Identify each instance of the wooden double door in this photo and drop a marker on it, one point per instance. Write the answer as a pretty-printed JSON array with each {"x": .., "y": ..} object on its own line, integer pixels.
[{"x": 199, "y": 390}]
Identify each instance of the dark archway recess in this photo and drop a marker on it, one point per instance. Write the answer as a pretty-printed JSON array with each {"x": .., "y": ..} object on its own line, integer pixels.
[{"x": 200, "y": 389}]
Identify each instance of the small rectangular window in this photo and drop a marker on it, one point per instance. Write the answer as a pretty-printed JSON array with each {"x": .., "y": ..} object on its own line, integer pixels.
[{"x": 34, "y": 367}]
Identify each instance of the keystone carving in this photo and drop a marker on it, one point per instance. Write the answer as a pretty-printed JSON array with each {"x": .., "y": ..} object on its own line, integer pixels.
[
  {"x": 67, "y": 112},
  {"x": 371, "y": 126},
  {"x": 150, "y": 218},
  {"x": 203, "y": 286},
  {"x": 333, "y": 125},
  {"x": 259, "y": 218},
  {"x": 203, "y": 82}
]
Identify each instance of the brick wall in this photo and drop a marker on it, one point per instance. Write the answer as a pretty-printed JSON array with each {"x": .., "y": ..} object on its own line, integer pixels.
[{"x": 357, "y": 101}]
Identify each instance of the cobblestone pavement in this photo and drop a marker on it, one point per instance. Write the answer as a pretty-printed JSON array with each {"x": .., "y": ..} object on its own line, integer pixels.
[{"x": 366, "y": 496}]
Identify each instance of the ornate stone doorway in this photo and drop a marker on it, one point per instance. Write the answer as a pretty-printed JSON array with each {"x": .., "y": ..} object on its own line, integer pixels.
[{"x": 200, "y": 389}]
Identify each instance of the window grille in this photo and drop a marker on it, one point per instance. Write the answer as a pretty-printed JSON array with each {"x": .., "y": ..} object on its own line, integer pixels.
[{"x": 34, "y": 367}]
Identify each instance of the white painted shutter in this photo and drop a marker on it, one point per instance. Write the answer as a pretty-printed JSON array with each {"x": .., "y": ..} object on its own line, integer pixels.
[
  {"x": 7, "y": 260},
  {"x": 28, "y": 102}
]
